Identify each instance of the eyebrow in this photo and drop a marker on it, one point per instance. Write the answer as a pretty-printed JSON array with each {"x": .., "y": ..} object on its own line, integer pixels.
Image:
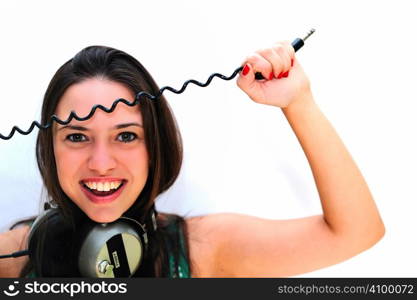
[{"x": 81, "y": 128}]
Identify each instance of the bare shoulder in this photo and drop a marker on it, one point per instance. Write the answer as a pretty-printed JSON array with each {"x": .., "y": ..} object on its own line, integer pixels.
[
  {"x": 11, "y": 241},
  {"x": 16, "y": 235}
]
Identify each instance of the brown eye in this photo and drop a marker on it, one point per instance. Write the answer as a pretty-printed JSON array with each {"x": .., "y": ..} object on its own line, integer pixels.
[
  {"x": 76, "y": 137},
  {"x": 127, "y": 137}
]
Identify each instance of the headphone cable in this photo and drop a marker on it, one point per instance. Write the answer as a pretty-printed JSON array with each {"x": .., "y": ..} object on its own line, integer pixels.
[
  {"x": 16, "y": 254},
  {"x": 297, "y": 44}
]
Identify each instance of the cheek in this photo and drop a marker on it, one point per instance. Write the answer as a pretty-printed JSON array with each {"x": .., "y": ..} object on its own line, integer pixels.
[
  {"x": 66, "y": 164},
  {"x": 140, "y": 167}
]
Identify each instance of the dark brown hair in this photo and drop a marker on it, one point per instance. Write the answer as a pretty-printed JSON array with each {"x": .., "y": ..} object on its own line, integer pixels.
[{"x": 162, "y": 137}]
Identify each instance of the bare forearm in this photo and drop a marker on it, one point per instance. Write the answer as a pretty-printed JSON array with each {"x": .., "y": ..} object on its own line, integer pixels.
[{"x": 348, "y": 206}]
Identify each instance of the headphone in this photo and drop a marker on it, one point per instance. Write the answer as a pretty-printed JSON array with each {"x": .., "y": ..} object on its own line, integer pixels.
[{"x": 86, "y": 248}]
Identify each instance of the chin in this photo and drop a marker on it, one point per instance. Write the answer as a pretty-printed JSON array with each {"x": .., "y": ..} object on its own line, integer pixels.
[{"x": 103, "y": 218}]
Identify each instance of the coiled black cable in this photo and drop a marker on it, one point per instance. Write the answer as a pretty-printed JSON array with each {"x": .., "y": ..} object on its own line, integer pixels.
[
  {"x": 73, "y": 114},
  {"x": 297, "y": 44}
]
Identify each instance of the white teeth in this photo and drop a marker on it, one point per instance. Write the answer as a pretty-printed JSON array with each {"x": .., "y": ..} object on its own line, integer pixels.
[
  {"x": 103, "y": 186},
  {"x": 100, "y": 187}
]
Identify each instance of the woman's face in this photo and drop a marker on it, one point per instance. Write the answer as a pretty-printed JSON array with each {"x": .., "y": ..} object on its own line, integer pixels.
[{"x": 102, "y": 163}]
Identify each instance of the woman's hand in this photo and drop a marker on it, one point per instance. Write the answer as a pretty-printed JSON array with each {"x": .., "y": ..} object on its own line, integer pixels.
[{"x": 285, "y": 81}]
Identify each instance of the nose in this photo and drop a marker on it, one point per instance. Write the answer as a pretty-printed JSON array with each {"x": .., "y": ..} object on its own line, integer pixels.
[{"x": 102, "y": 160}]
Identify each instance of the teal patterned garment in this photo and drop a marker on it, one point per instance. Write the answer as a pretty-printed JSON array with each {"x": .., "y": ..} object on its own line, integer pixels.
[{"x": 183, "y": 266}]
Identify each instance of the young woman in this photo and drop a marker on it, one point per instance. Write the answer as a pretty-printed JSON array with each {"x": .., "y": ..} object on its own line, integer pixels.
[{"x": 116, "y": 164}]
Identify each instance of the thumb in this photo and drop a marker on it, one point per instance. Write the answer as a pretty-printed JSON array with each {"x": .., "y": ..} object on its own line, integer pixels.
[{"x": 246, "y": 79}]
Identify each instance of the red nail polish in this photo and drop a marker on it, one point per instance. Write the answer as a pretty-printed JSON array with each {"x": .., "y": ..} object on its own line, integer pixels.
[
  {"x": 271, "y": 76},
  {"x": 285, "y": 75},
  {"x": 245, "y": 70},
  {"x": 292, "y": 62},
  {"x": 280, "y": 75}
]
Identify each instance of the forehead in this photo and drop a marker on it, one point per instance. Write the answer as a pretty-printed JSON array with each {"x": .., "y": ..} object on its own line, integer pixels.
[{"x": 81, "y": 98}]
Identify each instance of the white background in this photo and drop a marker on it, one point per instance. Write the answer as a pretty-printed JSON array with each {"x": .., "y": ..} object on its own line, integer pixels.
[{"x": 239, "y": 156}]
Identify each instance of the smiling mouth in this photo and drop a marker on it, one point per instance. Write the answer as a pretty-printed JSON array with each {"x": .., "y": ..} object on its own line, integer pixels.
[{"x": 103, "y": 193}]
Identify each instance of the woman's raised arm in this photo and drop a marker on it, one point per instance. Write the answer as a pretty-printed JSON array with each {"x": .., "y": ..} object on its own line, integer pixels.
[
  {"x": 348, "y": 207},
  {"x": 250, "y": 246}
]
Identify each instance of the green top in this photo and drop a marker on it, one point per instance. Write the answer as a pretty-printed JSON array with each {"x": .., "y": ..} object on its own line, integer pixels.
[{"x": 182, "y": 264}]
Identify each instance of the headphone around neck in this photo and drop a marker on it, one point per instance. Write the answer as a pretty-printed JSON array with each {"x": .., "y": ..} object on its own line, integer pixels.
[{"x": 86, "y": 248}]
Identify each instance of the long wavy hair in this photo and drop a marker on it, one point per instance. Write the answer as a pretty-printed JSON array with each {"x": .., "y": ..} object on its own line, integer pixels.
[{"x": 162, "y": 138}]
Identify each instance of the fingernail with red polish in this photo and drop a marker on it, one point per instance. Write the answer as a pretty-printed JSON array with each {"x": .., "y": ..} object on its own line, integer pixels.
[
  {"x": 280, "y": 75},
  {"x": 292, "y": 62},
  {"x": 285, "y": 75},
  {"x": 271, "y": 76},
  {"x": 245, "y": 70}
]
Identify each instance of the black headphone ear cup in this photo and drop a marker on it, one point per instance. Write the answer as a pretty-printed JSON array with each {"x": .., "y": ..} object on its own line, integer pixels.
[{"x": 51, "y": 246}]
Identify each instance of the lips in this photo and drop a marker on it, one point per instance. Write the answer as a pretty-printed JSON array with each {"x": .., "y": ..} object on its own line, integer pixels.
[{"x": 102, "y": 197}]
